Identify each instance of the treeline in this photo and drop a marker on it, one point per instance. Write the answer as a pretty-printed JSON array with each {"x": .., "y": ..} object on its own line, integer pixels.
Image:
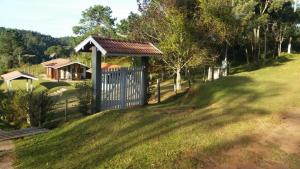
[
  {"x": 195, "y": 33},
  {"x": 19, "y": 47}
]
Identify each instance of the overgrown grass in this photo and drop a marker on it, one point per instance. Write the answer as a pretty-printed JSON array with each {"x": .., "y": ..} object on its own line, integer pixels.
[{"x": 184, "y": 132}]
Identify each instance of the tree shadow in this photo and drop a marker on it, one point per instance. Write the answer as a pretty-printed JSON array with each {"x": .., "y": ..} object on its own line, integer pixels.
[
  {"x": 255, "y": 66},
  {"x": 111, "y": 133},
  {"x": 50, "y": 85}
]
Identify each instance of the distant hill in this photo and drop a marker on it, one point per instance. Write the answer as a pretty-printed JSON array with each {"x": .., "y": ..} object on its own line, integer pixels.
[{"x": 24, "y": 46}]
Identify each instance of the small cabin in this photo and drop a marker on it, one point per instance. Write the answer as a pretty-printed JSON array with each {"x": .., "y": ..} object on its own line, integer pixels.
[{"x": 65, "y": 69}]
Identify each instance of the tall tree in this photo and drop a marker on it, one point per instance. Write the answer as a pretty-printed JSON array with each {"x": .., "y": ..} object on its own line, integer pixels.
[{"x": 96, "y": 20}]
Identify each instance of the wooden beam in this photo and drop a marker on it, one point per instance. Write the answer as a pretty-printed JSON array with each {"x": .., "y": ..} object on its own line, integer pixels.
[
  {"x": 96, "y": 79},
  {"x": 145, "y": 65}
]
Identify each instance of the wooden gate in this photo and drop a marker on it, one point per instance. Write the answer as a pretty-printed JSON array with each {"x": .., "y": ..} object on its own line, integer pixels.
[{"x": 122, "y": 88}]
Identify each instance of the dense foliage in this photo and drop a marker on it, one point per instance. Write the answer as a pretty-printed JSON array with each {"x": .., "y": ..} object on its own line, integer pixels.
[
  {"x": 84, "y": 97},
  {"x": 23, "y": 109},
  {"x": 19, "y": 47}
]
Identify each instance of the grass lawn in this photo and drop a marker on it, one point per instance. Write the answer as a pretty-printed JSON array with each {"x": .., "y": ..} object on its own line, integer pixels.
[
  {"x": 57, "y": 115},
  {"x": 214, "y": 124}
]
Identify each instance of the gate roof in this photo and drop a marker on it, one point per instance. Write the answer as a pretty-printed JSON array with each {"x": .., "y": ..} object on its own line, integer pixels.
[{"x": 111, "y": 47}]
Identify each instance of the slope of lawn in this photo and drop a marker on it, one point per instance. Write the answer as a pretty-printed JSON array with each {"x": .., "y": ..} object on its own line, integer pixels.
[{"x": 190, "y": 131}]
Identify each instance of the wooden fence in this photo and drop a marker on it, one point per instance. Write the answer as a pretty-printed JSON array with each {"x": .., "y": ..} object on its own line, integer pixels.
[{"x": 122, "y": 88}]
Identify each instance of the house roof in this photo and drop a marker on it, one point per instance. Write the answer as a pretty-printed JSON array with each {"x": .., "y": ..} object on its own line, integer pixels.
[
  {"x": 106, "y": 66},
  {"x": 111, "y": 47},
  {"x": 59, "y": 63},
  {"x": 17, "y": 75},
  {"x": 54, "y": 62}
]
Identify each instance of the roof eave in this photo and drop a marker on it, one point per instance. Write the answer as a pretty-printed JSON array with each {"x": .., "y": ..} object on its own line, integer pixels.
[
  {"x": 90, "y": 40},
  {"x": 135, "y": 55}
]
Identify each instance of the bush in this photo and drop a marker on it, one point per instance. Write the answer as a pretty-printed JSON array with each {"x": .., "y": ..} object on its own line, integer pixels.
[
  {"x": 85, "y": 97},
  {"x": 25, "y": 109}
]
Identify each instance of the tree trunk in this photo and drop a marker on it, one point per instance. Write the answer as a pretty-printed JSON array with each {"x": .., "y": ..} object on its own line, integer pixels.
[
  {"x": 279, "y": 48},
  {"x": 290, "y": 46},
  {"x": 265, "y": 47},
  {"x": 247, "y": 56},
  {"x": 226, "y": 51},
  {"x": 19, "y": 58},
  {"x": 178, "y": 79},
  {"x": 257, "y": 42}
]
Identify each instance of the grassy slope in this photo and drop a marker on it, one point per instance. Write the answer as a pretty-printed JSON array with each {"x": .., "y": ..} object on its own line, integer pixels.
[{"x": 186, "y": 132}]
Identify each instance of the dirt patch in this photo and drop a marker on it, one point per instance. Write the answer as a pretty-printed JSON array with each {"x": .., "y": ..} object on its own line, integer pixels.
[
  {"x": 7, "y": 156},
  {"x": 273, "y": 148},
  {"x": 273, "y": 145},
  {"x": 287, "y": 134}
]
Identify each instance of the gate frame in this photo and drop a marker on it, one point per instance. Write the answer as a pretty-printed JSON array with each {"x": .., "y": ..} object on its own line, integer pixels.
[{"x": 97, "y": 45}]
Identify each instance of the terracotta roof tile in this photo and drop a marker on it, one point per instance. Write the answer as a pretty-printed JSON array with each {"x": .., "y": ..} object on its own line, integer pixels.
[
  {"x": 111, "y": 47},
  {"x": 55, "y": 62},
  {"x": 58, "y": 63},
  {"x": 106, "y": 66},
  {"x": 127, "y": 47}
]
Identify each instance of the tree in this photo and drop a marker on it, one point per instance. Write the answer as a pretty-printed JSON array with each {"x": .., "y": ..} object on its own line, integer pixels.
[
  {"x": 57, "y": 50},
  {"x": 126, "y": 26},
  {"x": 96, "y": 20},
  {"x": 170, "y": 26},
  {"x": 283, "y": 18}
]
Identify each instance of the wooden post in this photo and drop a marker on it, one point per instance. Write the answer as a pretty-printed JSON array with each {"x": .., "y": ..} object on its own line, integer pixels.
[
  {"x": 57, "y": 75},
  {"x": 27, "y": 86},
  {"x": 96, "y": 79},
  {"x": 145, "y": 65},
  {"x": 212, "y": 73},
  {"x": 40, "y": 119},
  {"x": 123, "y": 87},
  {"x": 31, "y": 86},
  {"x": 158, "y": 91},
  {"x": 66, "y": 110},
  {"x": 10, "y": 85}
]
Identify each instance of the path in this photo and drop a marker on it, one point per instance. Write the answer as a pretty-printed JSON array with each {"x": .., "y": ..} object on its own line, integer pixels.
[
  {"x": 274, "y": 147},
  {"x": 14, "y": 134},
  {"x": 7, "y": 156}
]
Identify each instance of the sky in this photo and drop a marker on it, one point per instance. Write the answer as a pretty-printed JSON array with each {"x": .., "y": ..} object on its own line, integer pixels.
[{"x": 55, "y": 17}]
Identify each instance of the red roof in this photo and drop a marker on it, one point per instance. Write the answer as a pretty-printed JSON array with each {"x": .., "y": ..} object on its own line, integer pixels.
[
  {"x": 109, "y": 66},
  {"x": 59, "y": 63},
  {"x": 111, "y": 47},
  {"x": 106, "y": 66}
]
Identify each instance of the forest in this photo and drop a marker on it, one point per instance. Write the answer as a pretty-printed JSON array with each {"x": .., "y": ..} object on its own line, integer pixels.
[
  {"x": 193, "y": 34},
  {"x": 200, "y": 33},
  {"x": 19, "y": 47}
]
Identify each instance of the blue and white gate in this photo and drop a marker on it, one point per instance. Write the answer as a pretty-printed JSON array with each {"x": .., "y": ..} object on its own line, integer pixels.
[{"x": 122, "y": 88}]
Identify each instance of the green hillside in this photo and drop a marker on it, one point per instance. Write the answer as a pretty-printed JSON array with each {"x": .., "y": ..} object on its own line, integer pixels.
[{"x": 213, "y": 125}]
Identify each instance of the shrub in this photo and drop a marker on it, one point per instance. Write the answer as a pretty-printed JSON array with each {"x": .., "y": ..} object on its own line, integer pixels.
[
  {"x": 85, "y": 97},
  {"x": 25, "y": 109}
]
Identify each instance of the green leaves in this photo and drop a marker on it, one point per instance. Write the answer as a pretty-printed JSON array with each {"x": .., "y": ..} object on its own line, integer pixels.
[{"x": 96, "y": 20}]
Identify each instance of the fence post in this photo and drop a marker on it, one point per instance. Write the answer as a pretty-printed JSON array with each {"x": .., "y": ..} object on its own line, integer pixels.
[
  {"x": 40, "y": 119},
  {"x": 66, "y": 110},
  {"x": 123, "y": 87},
  {"x": 158, "y": 91}
]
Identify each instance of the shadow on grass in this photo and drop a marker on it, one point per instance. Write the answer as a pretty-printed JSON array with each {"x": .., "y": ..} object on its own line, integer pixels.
[
  {"x": 255, "y": 66},
  {"x": 100, "y": 138},
  {"x": 50, "y": 85}
]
